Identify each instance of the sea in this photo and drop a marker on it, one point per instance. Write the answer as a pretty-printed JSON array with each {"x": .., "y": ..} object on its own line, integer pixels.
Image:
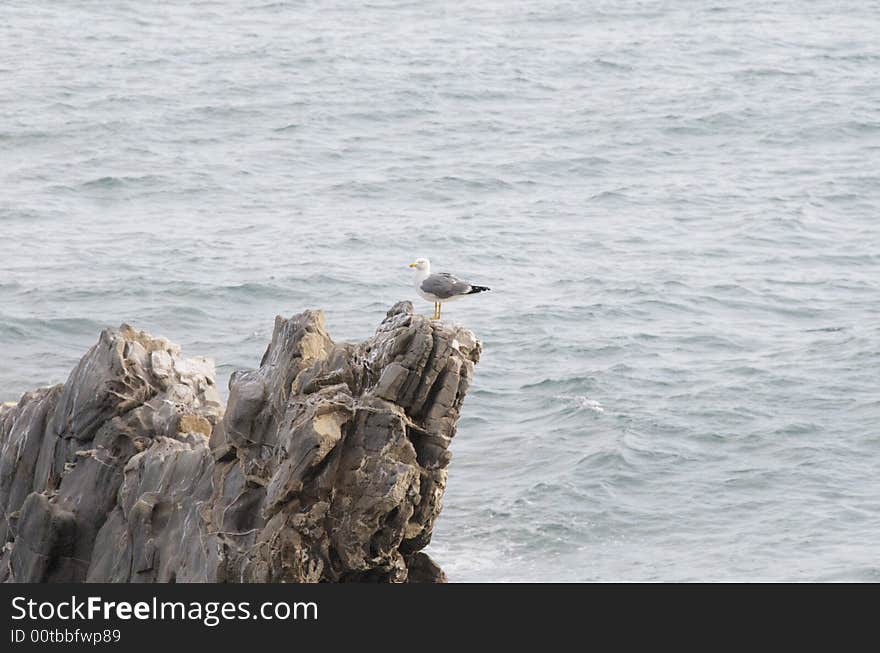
[{"x": 676, "y": 204}]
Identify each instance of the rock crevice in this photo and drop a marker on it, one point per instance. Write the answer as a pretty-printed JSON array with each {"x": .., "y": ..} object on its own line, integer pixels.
[{"x": 328, "y": 462}]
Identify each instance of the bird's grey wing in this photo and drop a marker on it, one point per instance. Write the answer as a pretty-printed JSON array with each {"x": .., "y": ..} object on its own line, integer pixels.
[{"x": 444, "y": 285}]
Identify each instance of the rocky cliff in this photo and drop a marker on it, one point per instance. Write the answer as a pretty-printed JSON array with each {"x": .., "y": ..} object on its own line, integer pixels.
[{"x": 328, "y": 463}]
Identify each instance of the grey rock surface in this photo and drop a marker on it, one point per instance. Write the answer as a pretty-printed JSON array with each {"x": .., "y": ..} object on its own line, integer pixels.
[{"x": 328, "y": 464}]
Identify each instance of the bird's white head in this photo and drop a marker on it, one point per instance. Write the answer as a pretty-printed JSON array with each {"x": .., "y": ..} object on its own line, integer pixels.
[{"x": 421, "y": 264}]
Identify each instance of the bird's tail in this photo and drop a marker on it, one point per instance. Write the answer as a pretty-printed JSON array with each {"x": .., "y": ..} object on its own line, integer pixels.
[{"x": 476, "y": 289}]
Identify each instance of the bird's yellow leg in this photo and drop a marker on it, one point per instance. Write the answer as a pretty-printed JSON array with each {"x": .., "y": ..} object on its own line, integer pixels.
[
  {"x": 439, "y": 308},
  {"x": 434, "y": 316}
]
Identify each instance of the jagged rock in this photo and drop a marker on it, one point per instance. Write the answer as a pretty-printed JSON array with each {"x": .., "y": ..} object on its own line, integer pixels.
[
  {"x": 64, "y": 448},
  {"x": 329, "y": 463}
]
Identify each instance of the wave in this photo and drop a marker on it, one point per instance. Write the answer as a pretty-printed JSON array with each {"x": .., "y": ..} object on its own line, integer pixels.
[{"x": 111, "y": 182}]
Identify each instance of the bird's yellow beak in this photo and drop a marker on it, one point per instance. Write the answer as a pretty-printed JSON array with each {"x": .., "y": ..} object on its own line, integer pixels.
[{"x": 413, "y": 265}]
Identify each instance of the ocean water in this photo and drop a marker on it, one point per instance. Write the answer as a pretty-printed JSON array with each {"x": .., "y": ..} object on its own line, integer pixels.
[{"x": 676, "y": 204}]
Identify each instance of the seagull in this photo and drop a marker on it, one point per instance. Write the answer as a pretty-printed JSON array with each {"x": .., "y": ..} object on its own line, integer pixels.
[{"x": 441, "y": 286}]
